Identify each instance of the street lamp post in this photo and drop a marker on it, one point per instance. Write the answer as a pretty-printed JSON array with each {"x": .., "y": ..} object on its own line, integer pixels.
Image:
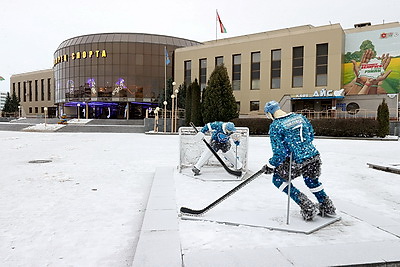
[
  {"x": 176, "y": 113},
  {"x": 45, "y": 117},
  {"x": 19, "y": 112},
  {"x": 165, "y": 116},
  {"x": 172, "y": 113},
  {"x": 78, "y": 105},
  {"x": 173, "y": 128},
  {"x": 156, "y": 119}
]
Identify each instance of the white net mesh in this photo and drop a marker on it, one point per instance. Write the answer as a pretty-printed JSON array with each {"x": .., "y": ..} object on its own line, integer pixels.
[{"x": 191, "y": 150}]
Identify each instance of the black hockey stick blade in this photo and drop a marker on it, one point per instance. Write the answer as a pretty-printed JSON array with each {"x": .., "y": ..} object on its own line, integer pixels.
[
  {"x": 192, "y": 212},
  {"x": 230, "y": 171},
  {"x": 189, "y": 211}
]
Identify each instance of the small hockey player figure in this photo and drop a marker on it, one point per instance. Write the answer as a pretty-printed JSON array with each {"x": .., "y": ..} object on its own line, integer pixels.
[
  {"x": 291, "y": 137},
  {"x": 63, "y": 119},
  {"x": 220, "y": 140}
]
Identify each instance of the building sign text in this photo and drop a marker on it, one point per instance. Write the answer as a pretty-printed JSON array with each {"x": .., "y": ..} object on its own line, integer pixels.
[{"x": 81, "y": 55}]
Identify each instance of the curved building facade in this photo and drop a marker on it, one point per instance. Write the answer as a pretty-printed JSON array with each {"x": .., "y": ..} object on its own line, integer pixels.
[{"x": 113, "y": 75}]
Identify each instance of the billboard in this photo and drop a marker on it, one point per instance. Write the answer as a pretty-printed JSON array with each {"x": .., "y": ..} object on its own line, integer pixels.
[{"x": 372, "y": 62}]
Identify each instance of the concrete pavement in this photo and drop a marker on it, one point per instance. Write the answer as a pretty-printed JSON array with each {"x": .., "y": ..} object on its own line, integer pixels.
[
  {"x": 98, "y": 125},
  {"x": 159, "y": 241}
]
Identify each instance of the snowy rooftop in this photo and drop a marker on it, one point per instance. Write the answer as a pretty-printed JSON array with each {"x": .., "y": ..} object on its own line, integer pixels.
[{"x": 112, "y": 199}]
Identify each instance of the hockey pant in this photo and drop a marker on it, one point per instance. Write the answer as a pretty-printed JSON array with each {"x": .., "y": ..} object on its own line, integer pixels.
[
  {"x": 313, "y": 184},
  {"x": 229, "y": 155}
]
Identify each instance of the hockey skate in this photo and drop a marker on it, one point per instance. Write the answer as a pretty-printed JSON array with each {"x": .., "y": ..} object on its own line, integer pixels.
[
  {"x": 195, "y": 171},
  {"x": 308, "y": 209},
  {"x": 326, "y": 208}
]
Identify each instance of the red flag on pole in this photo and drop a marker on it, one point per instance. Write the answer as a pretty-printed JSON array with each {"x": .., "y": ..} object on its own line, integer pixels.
[{"x": 223, "y": 29}]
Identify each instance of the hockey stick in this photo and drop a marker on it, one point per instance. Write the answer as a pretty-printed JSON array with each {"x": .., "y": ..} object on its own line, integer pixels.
[
  {"x": 230, "y": 171},
  {"x": 219, "y": 200},
  {"x": 289, "y": 188}
]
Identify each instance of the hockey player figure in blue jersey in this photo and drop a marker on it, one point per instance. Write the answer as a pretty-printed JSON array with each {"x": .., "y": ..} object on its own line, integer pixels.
[
  {"x": 292, "y": 134},
  {"x": 220, "y": 140}
]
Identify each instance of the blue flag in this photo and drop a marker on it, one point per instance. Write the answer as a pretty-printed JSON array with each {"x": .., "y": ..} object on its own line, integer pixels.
[{"x": 167, "y": 60}]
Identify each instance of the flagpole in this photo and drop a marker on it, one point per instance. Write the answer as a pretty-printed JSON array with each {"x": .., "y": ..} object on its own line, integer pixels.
[
  {"x": 222, "y": 27},
  {"x": 165, "y": 90},
  {"x": 165, "y": 75},
  {"x": 216, "y": 24}
]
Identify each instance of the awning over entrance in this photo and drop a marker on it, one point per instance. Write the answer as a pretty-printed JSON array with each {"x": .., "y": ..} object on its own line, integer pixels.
[
  {"x": 323, "y": 94},
  {"x": 316, "y": 97}
]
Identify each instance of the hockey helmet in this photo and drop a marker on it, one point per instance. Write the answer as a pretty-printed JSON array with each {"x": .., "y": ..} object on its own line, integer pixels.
[
  {"x": 229, "y": 127},
  {"x": 271, "y": 107}
]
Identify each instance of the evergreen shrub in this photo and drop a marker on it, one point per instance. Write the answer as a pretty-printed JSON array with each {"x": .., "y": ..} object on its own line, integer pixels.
[
  {"x": 383, "y": 119},
  {"x": 218, "y": 100}
]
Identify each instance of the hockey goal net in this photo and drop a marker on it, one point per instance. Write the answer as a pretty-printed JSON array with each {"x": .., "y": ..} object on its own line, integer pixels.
[{"x": 191, "y": 150}]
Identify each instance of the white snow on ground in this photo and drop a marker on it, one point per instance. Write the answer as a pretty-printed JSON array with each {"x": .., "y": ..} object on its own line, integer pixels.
[
  {"x": 51, "y": 127},
  {"x": 79, "y": 121},
  {"x": 44, "y": 127},
  {"x": 345, "y": 176},
  {"x": 85, "y": 207}
]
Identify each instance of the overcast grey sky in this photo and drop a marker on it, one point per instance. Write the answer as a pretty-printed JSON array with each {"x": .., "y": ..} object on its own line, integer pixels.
[{"x": 30, "y": 31}]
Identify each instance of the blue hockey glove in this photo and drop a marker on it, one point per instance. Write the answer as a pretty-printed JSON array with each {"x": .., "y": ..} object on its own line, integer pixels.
[{"x": 222, "y": 138}]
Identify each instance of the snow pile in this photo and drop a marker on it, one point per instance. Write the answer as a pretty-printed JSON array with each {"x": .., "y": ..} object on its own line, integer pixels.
[
  {"x": 43, "y": 127},
  {"x": 79, "y": 121}
]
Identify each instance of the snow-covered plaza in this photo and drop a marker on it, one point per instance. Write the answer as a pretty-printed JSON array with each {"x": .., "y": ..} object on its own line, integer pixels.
[{"x": 80, "y": 199}]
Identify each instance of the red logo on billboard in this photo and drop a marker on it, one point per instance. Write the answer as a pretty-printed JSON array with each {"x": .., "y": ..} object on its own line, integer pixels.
[{"x": 386, "y": 35}]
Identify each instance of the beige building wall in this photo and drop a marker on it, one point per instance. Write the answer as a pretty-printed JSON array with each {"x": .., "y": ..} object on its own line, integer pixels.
[
  {"x": 284, "y": 39},
  {"x": 36, "y": 91}
]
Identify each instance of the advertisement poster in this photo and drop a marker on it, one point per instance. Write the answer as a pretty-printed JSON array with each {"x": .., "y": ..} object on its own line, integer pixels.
[{"x": 372, "y": 62}]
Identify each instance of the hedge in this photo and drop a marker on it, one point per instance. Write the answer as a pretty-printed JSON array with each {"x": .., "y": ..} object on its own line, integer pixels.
[
  {"x": 257, "y": 126},
  {"x": 361, "y": 127}
]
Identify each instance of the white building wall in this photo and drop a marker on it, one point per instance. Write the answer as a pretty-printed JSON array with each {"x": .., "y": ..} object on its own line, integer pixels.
[{"x": 2, "y": 100}]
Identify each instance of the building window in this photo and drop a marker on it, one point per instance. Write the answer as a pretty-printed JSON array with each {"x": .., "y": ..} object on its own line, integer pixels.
[
  {"x": 236, "y": 71},
  {"x": 276, "y": 69},
  {"x": 254, "y": 105},
  {"x": 36, "y": 91},
  {"x": 19, "y": 91},
  {"x": 203, "y": 73},
  {"x": 188, "y": 72},
  {"x": 49, "y": 89},
  {"x": 219, "y": 61},
  {"x": 297, "y": 66},
  {"x": 255, "y": 70},
  {"x": 321, "y": 71},
  {"x": 42, "y": 89},
  {"x": 352, "y": 108},
  {"x": 30, "y": 110},
  {"x": 25, "y": 92},
  {"x": 36, "y": 110},
  {"x": 42, "y": 109},
  {"x": 30, "y": 90}
]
